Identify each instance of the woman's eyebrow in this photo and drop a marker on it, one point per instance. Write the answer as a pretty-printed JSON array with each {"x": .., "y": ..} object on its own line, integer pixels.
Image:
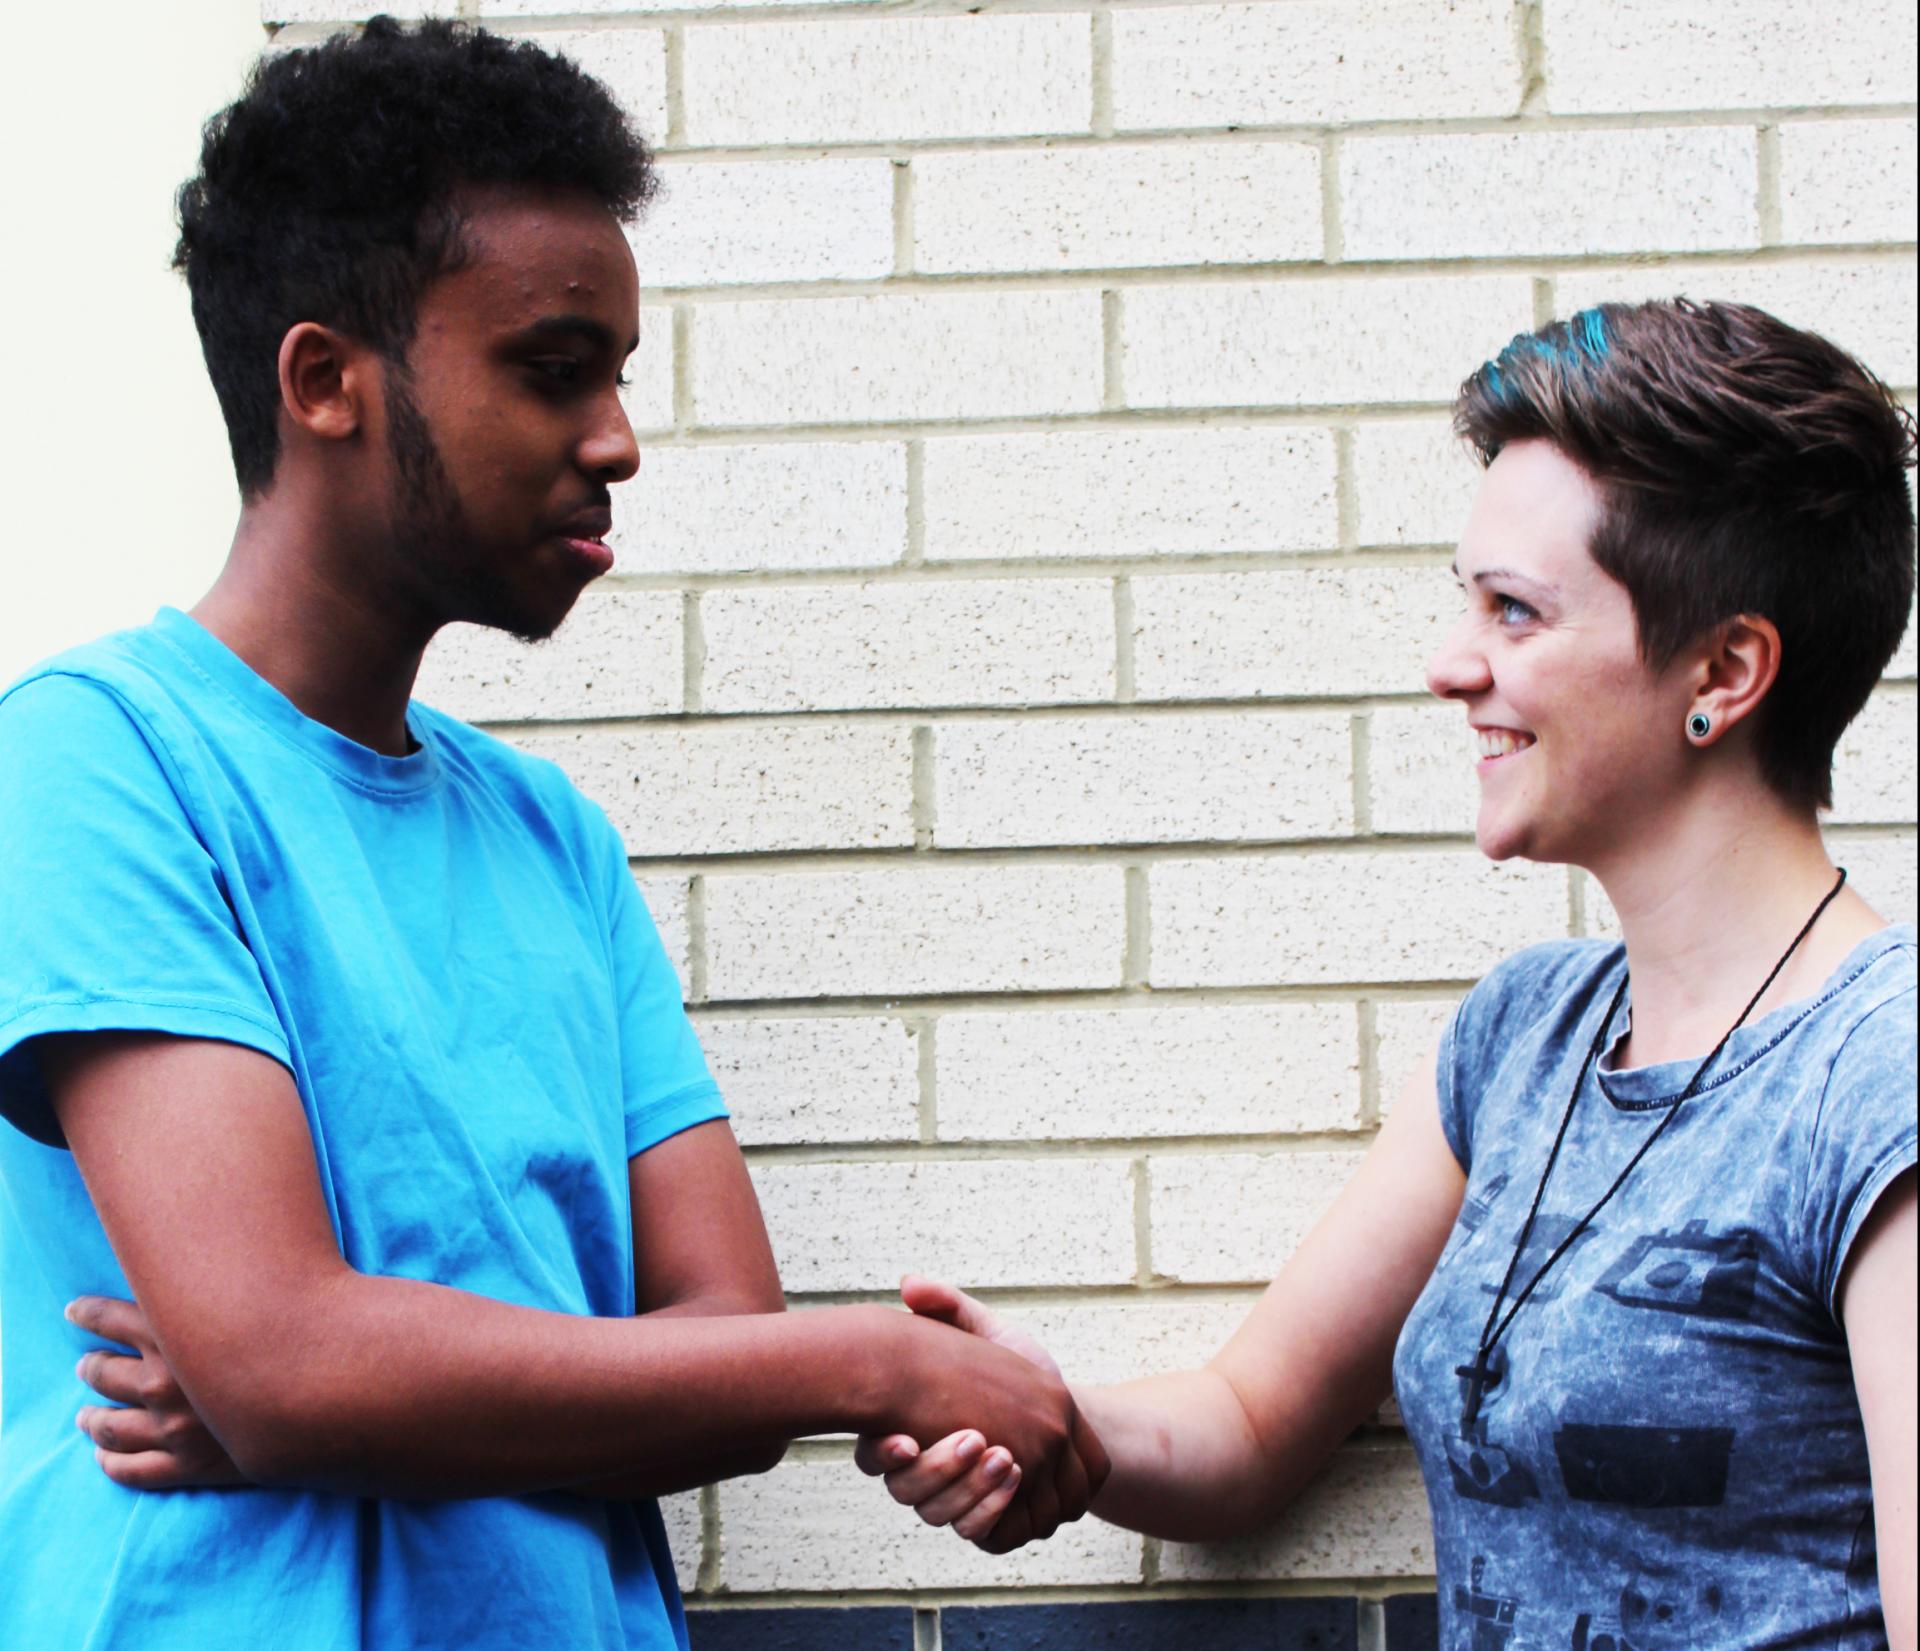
[{"x": 1511, "y": 576}]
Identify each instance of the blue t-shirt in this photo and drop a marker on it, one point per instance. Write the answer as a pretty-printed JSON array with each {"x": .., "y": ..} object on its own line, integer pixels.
[
  {"x": 448, "y": 953},
  {"x": 1672, "y": 1454}
]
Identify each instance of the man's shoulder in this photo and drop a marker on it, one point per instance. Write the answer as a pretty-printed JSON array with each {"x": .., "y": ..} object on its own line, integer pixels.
[
  {"x": 106, "y": 681},
  {"x": 535, "y": 783}
]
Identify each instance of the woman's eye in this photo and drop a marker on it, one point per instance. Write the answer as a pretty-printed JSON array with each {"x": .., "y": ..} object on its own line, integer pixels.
[{"x": 1513, "y": 611}]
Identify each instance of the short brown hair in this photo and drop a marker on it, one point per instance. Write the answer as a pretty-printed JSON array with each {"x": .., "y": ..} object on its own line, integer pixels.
[{"x": 1744, "y": 466}]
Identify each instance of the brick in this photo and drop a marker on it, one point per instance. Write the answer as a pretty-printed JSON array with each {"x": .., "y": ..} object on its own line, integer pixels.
[
  {"x": 649, "y": 397},
  {"x": 1126, "y": 1073},
  {"x": 763, "y": 508},
  {"x": 1875, "y": 775},
  {"x": 802, "y": 1628},
  {"x": 1866, "y": 305},
  {"x": 1117, "y": 206},
  {"x": 1309, "y": 634},
  {"x": 630, "y": 62},
  {"x": 1235, "y": 1218},
  {"x": 1882, "y": 868},
  {"x": 1152, "y": 1625},
  {"x": 602, "y": 8},
  {"x": 861, "y": 82},
  {"x": 1154, "y": 779},
  {"x": 1413, "y": 1622},
  {"x": 351, "y": 11},
  {"x": 1204, "y": 492},
  {"x": 1313, "y": 62},
  {"x": 746, "y": 788},
  {"x": 887, "y": 646},
  {"x": 825, "y": 1079},
  {"x": 666, "y": 899},
  {"x": 995, "y": 928},
  {"x": 1605, "y": 55},
  {"x": 1104, "y": 1341},
  {"x": 1405, "y": 1031},
  {"x": 1364, "y": 1515},
  {"x": 681, "y": 1515},
  {"x": 716, "y": 222},
  {"x": 1900, "y": 668},
  {"x": 1316, "y": 342},
  {"x": 1420, "y": 770},
  {"x": 814, "y": 1526},
  {"x": 1016, "y": 1221},
  {"x": 1395, "y": 915},
  {"x": 1848, "y": 180},
  {"x": 1502, "y": 194},
  {"x": 1415, "y": 482},
  {"x": 617, "y": 655},
  {"x": 929, "y": 356}
]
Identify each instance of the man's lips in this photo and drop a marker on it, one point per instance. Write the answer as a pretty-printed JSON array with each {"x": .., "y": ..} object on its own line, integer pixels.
[{"x": 589, "y": 525}]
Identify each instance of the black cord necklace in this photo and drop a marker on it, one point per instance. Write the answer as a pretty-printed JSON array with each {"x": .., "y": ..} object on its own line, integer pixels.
[{"x": 1480, "y": 1375}]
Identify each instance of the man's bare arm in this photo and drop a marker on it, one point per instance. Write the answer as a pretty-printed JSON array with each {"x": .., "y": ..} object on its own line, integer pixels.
[{"x": 197, "y": 1156}]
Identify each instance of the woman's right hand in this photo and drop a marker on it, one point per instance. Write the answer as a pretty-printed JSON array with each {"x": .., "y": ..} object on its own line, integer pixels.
[{"x": 965, "y": 1480}]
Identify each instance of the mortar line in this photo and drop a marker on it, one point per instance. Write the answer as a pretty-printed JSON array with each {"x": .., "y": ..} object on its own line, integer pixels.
[
  {"x": 1125, "y": 678},
  {"x": 696, "y": 939},
  {"x": 674, "y": 49},
  {"x": 685, "y": 415},
  {"x": 707, "y": 1576},
  {"x": 1150, "y": 1561},
  {"x": 926, "y": 1628},
  {"x": 1142, "y": 1223},
  {"x": 1136, "y": 964},
  {"x": 1767, "y": 183},
  {"x": 1333, "y": 238},
  {"x": 1370, "y": 1625},
  {"x": 1543, "y": 296},
  {"x": 693, "y": 655},
  {"x": 1530, "y": 21},
  {"x": 1055, "y": 1001},
  {"x": 915, "y": 552},
  {"x": 1577, "y": 903},
  {"x": 1113, "y": 352},
  {"x": 903, "y": 182},
  {"x": 1362, "y": 735},
  {"x": 1101, "y": 73},
  {"x": 1366, "y": 1021},
  {"x": 927, "y": 1075},
  {"x": 1346, "y": 488},
  {"x": 923, "y": 789}
]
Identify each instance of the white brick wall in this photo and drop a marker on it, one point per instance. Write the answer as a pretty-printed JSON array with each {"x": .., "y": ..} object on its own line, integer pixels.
[{"x": 1010, "y": 687}]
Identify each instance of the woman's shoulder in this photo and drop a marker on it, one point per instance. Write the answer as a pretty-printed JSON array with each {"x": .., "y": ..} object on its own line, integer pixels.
[{"x": 1539, "y": 981}]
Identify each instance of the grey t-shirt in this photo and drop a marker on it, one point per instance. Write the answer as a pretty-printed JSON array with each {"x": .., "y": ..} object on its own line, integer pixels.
[{"x": 1672, "y": 1453}]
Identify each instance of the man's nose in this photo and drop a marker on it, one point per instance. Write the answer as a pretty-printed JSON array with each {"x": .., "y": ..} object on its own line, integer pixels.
[{"x": 609, "y": 451}]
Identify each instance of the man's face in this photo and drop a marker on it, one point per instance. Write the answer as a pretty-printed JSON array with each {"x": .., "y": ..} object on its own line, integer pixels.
[{"x": 504, "y": 428}]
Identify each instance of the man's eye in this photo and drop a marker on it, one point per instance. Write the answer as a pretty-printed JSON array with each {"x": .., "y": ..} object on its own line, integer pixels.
[
  {"x": 562, "y": 369},
  {"x": 622, "y": 382}
]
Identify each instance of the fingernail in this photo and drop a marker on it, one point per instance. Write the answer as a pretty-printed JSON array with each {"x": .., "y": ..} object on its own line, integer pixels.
[
  {"x": 68, "y": 1313},
  {"x": 900, "y": 1455},
  {"x": 996, "y": 1464},
  {"x": 969, "y": 1447}
]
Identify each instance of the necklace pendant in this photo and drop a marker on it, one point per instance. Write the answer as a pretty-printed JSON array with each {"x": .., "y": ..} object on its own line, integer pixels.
[{"x": 1475, "y": 1380}]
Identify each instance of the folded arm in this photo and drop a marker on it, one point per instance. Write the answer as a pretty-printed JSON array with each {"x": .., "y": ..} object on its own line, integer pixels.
[{"x": 197, "y": 1157}]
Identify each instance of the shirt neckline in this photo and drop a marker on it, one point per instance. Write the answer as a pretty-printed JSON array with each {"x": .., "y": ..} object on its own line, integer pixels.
[
  {"x": 354, "y": 764},
  {"x": 1649, "y": 1088}
]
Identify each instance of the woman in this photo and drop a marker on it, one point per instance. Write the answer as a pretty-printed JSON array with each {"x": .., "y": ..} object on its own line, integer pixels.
[
  {"x": 1638, "y": 1259},
  {"x": 1647, "y": 1254}
]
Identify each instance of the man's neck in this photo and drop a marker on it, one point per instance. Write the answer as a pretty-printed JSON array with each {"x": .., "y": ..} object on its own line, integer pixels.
[
  {"x": 344, "y": 652},
  {"x": 1708, "y": 900}
]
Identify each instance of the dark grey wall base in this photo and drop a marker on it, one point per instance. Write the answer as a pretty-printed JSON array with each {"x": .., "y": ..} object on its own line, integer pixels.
[{"x": 1144, "y": 1625}]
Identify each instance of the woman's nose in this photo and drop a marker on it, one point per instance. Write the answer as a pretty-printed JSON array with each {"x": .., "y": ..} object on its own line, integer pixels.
[{"x": 1459, "y": 665}]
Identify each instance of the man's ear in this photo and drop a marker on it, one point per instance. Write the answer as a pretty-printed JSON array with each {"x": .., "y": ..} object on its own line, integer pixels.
[
  {"x": 1737, "y": 664},
  {"x": 324, "y": 381}
]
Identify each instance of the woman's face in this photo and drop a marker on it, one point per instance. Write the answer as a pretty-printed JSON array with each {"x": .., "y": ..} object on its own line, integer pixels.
[{"x": 1578, "y": 744}]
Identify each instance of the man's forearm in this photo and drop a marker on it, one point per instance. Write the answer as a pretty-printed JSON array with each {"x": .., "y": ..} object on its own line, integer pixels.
[{"x": 398, "y": 1388}]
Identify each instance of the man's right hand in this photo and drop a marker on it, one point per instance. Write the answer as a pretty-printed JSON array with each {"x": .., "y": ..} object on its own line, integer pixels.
[{"x": 958, "y": 1480}]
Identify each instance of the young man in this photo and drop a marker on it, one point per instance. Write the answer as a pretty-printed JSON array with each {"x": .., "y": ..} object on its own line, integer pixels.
[{"x": 335, "y": 1032}]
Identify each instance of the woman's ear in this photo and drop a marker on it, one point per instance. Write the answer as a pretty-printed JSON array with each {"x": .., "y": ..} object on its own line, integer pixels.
[
  {"x": 1733, "y": 670},
  {"x": 322, "y": 381}
]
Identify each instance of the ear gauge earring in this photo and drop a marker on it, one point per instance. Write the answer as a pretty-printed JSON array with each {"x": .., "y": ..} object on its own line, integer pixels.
[{"x": 1699, "y": 725}]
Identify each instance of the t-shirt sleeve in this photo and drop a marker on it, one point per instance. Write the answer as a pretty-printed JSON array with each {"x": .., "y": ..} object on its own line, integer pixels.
[
  {"x": 116, "y": 916},
  {"x": 663, "y": 1071},
  {"x": 1455, "y": 1122},
  {"x": 1863, "y": 1137}
]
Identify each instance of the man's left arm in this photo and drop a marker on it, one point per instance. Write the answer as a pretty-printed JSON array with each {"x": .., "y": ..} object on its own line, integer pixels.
[{"x": 700, "y": 1250}]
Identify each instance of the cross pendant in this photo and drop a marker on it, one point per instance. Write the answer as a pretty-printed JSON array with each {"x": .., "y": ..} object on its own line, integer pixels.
[{"x": 1479, "y": 1376}]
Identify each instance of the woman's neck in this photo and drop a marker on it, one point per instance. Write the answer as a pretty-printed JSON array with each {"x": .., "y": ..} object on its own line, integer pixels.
[{"x": 1708, "y": 903}]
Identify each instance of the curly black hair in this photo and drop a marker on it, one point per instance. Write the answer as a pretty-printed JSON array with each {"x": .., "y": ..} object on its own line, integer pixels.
[{"x": 325, "y": 192}]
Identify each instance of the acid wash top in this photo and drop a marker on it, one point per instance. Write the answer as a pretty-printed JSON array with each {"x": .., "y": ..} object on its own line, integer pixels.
[
  {"x": 1672, "y": 1453},
  {"x": 448, "y": 953}
]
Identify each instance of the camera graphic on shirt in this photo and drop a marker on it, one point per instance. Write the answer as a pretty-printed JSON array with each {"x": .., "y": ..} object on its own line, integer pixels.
[
  {"x": 1488, "y": 1616},
  {"x": 1659, "y": 1610},
  {"x": 1689, "y": 1272},
  {"x": 1486, "y": 1472},
  {"x": 1644, "y": 1467}
]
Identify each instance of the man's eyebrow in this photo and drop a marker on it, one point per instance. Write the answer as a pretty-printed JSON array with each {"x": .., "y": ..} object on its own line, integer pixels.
[{"x": 593, "y": 331}]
